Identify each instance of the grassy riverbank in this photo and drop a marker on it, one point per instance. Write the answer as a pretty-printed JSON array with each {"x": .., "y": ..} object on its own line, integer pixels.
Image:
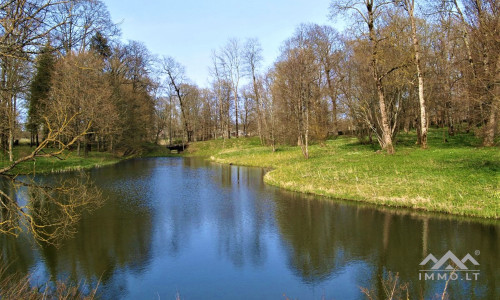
[
  {"x": 70, "y": 161},
  {"x": 457, "y": 177}
]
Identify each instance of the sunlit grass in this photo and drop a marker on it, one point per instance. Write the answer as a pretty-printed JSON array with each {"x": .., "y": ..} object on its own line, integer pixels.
[
  {"x": 68, "y": 161},
  {"x": 71, "y": 161},
  {"x": 457, "y": 177}
]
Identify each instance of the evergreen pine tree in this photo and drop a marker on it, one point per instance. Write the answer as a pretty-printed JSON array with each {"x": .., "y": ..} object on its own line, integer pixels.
[{"x": 39, "y": 91}]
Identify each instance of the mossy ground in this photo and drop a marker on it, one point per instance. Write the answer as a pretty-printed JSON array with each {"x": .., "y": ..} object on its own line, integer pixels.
[{"x": 457, "y": 177}]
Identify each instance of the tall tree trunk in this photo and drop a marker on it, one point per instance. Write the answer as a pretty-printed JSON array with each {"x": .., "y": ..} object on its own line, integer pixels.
[
  {"x": 491, "y": 127},
  {"x": 236, "y": 110},
  {"x": 416, "y": 47},
  {"x": 228, "y": 122},
  {"x": 11, "y": 142},
  {"x": 386, "y": 129},
  {"x": 259, "y": 111},
  {"x": 85, "y": 145},
  {"x": 489, "y": 138},
  {"x": 419, "y": 136},
  {"x": 12, "y": 124},
  {"x": 170, "y": 123},
  {"x": 8, "y": 88},
  {"x": 307, "y": 131},
  {"x": 186, "y": 126}
]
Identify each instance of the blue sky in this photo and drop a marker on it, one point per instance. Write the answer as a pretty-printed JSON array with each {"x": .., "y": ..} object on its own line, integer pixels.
[{"x": 188, "y": 30}]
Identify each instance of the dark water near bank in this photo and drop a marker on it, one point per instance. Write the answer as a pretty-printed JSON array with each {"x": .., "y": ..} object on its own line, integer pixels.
[{"x": 208, "y": 231}]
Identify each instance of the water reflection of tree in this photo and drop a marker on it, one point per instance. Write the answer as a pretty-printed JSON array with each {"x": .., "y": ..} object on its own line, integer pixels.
[
  {"x": 111, "y": 238},
  {"x": 115, "y": 236},
  {"x": 48, "y": 211},
  {"x": 230, "y": 198},
  {"x": 15, "y": 254},
  {"x": 308, "y": 227},
  {"x": 324, "y": 239},
  {"x": 243, "y": 215}
]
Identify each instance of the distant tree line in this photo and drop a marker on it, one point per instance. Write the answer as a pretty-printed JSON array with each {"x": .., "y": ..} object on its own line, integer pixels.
[{"x": 399, "y": 66}]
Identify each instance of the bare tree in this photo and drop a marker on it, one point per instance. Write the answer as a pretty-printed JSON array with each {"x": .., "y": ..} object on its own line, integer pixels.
[
  {"x": 368, "y": 12},
  {"x": 326, "y": 43},
  {"x": 178, "y": 84},
  {"x": 230, "y": 59},
  {"x": 80, "y": 87},
  {"x": 80, "y": 21},
  {"x": 409, "y": 6},
  {"x": 52, "y": 210},
  {"x": 252, "y": 55},
  {"x": 248, "y": 108},
  {"x": 296, "y": 88},
  {"x": 482, "y": 19},
  {"x": 222, "y": 90},
  {"x": 269, "y": 106}
]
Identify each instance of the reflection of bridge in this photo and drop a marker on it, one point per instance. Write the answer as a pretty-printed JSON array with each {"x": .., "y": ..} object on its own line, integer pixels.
[{"x": 177, "y": 147}]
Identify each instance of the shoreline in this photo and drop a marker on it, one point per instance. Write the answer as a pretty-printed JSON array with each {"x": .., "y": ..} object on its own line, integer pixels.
[
  {"x": 320, "y": 176},
  {"x": 331, "y": 197},
  {"x": 399, "y": 210},
  {"x": 334, "y": 176},
  {"x": 71, "y": 162}
]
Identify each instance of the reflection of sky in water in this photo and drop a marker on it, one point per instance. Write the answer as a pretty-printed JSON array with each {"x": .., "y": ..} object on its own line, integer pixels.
[{"x": 209, "y": 231}]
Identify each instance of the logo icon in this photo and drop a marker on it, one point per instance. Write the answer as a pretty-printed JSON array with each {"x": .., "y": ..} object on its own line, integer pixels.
[
  {"x": 449, "y": 256},
  {"x": 446, "y": 267}
]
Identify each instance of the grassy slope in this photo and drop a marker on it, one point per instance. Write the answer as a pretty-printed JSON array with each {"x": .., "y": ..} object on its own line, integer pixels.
[{"x": 457, "y": 177}]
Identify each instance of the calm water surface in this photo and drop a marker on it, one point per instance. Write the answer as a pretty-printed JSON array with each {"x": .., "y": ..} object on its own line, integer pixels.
[{"x": 208, "y": 231}]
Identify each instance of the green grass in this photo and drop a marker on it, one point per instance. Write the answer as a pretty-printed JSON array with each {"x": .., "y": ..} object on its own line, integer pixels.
[
  {"x": 70, "y": 161},
  {"x": 458, "y": 177}
]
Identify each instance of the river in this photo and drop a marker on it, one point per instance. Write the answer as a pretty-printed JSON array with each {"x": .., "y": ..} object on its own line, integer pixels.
[{"x": 200, "y": 230}]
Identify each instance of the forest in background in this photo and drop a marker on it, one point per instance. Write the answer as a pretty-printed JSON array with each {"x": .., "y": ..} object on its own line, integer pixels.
[{"x": 67, "y": 81}]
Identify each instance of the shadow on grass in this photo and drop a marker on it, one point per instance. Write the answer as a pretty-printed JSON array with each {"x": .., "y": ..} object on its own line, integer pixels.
[
  {"x": 474, "y": 165},
  {"x": 407, "y": 141},
  {"x": 435, "y": 139},
  {"x": 356, "y": 145}
]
